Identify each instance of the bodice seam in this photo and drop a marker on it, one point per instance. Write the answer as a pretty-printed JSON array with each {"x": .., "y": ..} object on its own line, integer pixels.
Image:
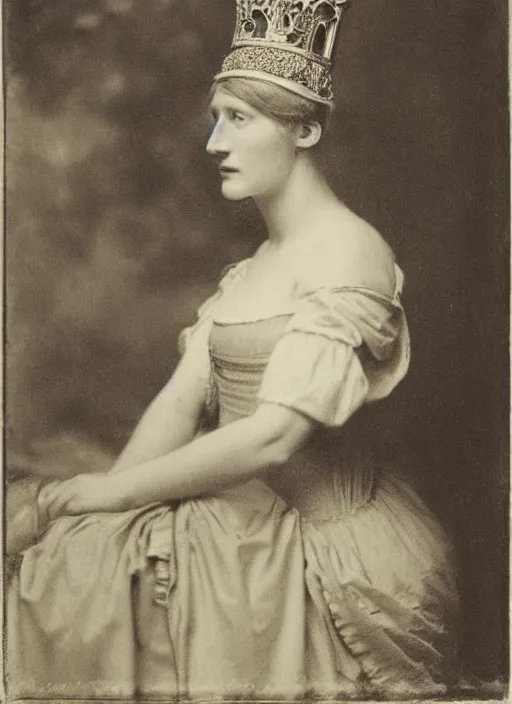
[
  {"x": 222, "y": 323},
  {"x": 392, "y": 300}
]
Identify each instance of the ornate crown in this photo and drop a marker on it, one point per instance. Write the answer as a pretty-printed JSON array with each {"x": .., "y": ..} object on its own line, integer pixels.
[{"x": 287, "y": 42}]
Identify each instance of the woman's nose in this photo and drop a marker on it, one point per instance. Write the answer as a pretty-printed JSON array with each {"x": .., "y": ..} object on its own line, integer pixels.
[{"x": 217, "y": 143}]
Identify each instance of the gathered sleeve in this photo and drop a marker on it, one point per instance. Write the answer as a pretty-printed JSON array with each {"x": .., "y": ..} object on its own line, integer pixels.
[{"x": 342, "y": 348}]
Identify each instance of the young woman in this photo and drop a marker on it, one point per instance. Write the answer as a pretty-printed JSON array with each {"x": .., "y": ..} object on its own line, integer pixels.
[{"x": 247, "y": 542}]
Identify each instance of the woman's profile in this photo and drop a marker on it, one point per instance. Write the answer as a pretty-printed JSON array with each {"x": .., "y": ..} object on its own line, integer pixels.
[{"x": 247, "y": 542}]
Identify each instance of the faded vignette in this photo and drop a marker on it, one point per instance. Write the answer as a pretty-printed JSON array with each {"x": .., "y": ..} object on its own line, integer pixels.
[{"x": 67, "y": 140}]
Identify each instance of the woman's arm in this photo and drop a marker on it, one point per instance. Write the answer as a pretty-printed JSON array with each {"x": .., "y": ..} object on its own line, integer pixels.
[
  {"x": 170, "y": 421},
  {"x": 228, "y": 456}
]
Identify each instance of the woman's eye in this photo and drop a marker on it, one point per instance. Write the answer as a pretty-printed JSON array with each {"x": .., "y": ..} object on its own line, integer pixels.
[{"x": 238, "y": 117}]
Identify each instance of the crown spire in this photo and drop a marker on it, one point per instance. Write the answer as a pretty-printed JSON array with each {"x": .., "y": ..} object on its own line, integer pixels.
[{"x": 287, "y": 42}]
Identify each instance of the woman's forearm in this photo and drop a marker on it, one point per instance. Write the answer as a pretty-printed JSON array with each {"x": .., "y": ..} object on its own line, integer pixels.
[
  {"x": 227, "y": 456},
  {"x": 209, "y": 463}
]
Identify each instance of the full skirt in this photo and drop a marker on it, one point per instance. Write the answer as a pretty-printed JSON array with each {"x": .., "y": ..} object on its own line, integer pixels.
[{"x": 227, "y": 597}]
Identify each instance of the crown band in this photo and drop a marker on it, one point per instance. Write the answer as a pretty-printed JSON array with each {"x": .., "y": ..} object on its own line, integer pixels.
[
  {"x": 291, "y": 86},
  {"x": 276, "y": 45},
  {"x": 307, "y": 76}
]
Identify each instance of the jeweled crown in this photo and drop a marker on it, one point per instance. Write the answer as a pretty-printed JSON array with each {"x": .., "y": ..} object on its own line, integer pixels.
[{"x": 288, "y": 42}]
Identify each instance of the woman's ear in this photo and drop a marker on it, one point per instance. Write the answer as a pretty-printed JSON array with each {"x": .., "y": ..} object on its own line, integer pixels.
[{"x": 309, "y": 135}]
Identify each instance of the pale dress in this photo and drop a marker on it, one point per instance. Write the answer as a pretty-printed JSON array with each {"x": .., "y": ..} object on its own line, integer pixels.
[{"x": 241, "y": 594}]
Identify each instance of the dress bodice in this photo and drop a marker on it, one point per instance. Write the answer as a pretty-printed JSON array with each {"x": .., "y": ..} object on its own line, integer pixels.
[
  {"x": 333, "y": 474},
  {"x": 331, "y": 353},
  {"x": 239, "y": 355}
]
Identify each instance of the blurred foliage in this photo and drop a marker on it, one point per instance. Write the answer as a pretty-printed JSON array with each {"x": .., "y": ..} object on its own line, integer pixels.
[
  {"x": 116, "y": 231},
  {"x": 113, "y": 210}
]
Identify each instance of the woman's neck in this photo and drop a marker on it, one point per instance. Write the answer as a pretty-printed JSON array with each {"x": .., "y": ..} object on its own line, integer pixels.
[{"x": 288, "y": 212}]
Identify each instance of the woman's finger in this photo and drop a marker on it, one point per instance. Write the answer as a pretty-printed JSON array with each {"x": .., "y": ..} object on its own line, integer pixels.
[
  {"x": 42, "y": 504},
  {"x": 51, "y": 491},
  {"x": 47, "y": 493},
  {"x": 59, "y": 499}
]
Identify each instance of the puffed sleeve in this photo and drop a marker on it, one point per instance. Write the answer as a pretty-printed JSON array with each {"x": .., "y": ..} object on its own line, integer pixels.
[{"x": 342, "y": 348}]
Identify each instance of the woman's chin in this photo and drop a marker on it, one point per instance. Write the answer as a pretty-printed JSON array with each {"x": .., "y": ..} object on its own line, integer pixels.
[{"x": 231, "y": 192}]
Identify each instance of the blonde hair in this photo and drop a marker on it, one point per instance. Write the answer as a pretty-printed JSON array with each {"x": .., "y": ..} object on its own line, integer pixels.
[{"x": 275, "y": 102}]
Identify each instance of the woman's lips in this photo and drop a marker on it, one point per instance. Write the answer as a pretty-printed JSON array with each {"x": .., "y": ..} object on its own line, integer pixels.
[{"x": 224, "y": 170}]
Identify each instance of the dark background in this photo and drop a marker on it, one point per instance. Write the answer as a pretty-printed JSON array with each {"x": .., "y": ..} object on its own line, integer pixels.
[{"x": 116, "y": 230}]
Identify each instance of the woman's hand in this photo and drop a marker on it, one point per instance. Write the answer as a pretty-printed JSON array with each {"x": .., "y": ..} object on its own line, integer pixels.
[{"x": 85, "y": 493}]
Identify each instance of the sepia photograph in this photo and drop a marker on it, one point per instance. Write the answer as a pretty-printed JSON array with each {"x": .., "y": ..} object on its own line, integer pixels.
[{"x": 256, "y": 354}]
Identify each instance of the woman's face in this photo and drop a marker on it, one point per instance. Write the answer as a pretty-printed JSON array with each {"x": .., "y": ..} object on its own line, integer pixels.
[{"x": 255, "y": 154}]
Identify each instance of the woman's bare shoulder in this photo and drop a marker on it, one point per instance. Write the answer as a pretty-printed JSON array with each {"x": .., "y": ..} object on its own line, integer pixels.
[{"x": 348, "y": 251}]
